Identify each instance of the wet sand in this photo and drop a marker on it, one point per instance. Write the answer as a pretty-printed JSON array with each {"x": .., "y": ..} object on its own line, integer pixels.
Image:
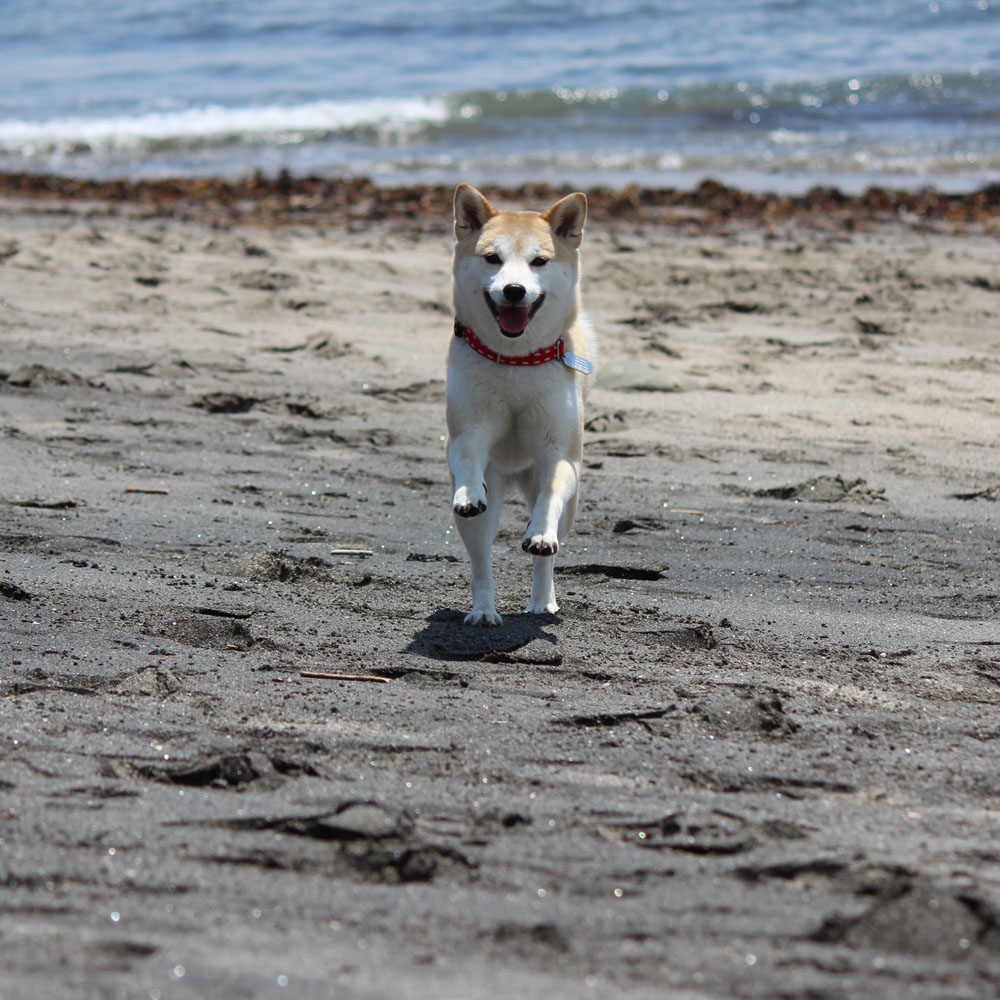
[{"x": 755, "y": 754}]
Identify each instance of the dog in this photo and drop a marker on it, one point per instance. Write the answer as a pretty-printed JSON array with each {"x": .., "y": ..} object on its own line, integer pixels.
[{"x": 519, "y": 369}]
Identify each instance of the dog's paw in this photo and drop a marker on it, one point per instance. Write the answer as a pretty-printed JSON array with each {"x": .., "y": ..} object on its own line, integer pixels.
[
  {"x": 483, "y": 619},
  {"x": 468, "y": 502},
  {"x": 540, "y": 545},
  {"x": 538, "y": 608}
]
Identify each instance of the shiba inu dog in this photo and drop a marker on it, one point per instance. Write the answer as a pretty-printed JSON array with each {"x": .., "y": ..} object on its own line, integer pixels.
[{"x": 519, "y": 368}]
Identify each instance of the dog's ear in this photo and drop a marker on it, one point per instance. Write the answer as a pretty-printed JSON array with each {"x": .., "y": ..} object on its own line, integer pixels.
[
  {"x": 472, "y": 210},
  {"x": 567, "y": 217}
]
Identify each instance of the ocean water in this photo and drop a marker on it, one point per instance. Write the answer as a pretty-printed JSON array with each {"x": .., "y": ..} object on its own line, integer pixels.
[{"x": 769, "y": 94}]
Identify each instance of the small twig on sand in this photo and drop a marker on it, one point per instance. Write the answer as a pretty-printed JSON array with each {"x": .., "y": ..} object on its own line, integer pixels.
[
  {"x": 326, "y": 675},
  {"x": 140, "y": 489},
  {"x": 351, "y": 552}
]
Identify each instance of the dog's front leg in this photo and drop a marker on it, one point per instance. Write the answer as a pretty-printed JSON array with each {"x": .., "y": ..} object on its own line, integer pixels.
[
  {"x": 558, "y": 483},
  {"x": 478, "y": 534},
  {"x": 466, "y": 455}
]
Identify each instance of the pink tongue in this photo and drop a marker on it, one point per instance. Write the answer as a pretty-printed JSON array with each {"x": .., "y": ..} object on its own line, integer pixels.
[{"x": 513, "y": 319}]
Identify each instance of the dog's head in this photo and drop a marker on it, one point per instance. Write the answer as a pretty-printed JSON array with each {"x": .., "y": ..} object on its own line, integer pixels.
[{"x": 517, "y": 272}]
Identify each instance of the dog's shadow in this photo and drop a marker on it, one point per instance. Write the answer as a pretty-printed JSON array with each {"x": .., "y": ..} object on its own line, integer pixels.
[{"x": 447, "y": 637}]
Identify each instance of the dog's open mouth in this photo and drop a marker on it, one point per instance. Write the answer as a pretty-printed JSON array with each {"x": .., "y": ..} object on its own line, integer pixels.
[{"x": 513, "y": 320}]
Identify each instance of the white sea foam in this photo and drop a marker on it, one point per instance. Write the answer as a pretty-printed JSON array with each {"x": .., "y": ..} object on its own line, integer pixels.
[{"x": 390, "y": 119}]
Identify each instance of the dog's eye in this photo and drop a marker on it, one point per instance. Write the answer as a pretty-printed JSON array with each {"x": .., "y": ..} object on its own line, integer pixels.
[
  {"x": 540, "y": 262},
  {"x": 493, "y": 258}
]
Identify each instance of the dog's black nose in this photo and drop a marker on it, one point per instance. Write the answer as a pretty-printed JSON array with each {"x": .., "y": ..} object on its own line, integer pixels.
[{"x": 514, "y": 293}]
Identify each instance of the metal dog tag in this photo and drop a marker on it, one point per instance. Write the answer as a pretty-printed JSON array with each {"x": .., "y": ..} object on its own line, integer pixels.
[{"x": 578, "y": 364}]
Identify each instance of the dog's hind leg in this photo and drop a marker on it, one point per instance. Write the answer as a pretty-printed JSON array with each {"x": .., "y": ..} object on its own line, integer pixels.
[
  {"x": 543, "y": 593},
  {"x": 478, "y": 534}
]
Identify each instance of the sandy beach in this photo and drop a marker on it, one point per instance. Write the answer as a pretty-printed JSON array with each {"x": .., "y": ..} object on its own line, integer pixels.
[{"x": 754, "y": 755}]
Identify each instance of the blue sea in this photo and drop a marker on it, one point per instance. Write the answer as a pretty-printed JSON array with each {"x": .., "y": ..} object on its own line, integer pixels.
[{"x": 767, "y": 94}]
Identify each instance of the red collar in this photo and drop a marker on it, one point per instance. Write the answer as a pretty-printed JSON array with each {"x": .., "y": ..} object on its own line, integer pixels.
[{"x": 540, "y": 357}]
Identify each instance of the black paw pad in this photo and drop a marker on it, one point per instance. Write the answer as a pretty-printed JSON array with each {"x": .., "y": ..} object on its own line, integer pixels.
[
  {"x": 470, "y": 510},
  {"x": 539, "y": 549}
]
